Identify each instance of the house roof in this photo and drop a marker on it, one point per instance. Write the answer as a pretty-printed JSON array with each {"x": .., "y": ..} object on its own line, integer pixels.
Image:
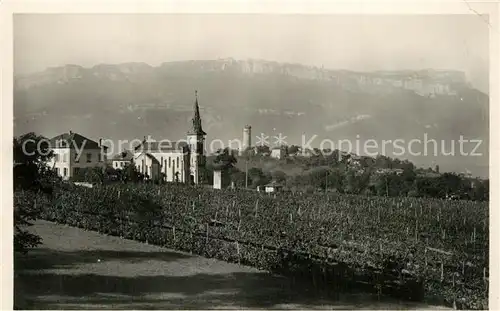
[
  {"x": 125, "y": 155},
  {"x": 273, "y": 183},
  {"x": 75, "y": 140},
  {"x": 152, "y": 157},
  {"x": 155, "y": 146},
  {"x": 148, "y": 155},
  {"x": 196, "y": 127}
]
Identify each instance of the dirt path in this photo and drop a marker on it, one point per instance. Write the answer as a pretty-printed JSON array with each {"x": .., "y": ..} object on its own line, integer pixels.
[{"x": 77, "y": 269}]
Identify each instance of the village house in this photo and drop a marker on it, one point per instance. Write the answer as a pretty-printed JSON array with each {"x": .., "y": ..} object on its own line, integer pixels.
[
  {"x": 73, "y": 152},
  {"x": 278, "y": 152},
  {"x": 385, "y": 171},
  {"x": 120, "y": 160},
  {"x": 273, "y": 186}
]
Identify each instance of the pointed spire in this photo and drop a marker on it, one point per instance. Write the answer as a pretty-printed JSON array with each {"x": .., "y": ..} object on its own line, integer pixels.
[
  {"x": 196, "y": 107},
  {"x": 196, "y": 127}
]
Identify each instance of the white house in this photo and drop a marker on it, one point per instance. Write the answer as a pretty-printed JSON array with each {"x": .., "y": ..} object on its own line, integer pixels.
[
  {"x": 278, "y": 152},
  {"x": 73, "y": 152},
  {"x": 120, "y": 160},
  {"x": 273, "y": 187},
  {"x": 179, "y": 161}
]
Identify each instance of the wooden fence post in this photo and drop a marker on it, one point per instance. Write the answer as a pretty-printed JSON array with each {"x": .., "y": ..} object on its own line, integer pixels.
[
  {"x": 416, "y": 231},
  {"x": 442, "y": 271},
  {"x": 425, "y": 258},
  {"x": 238, "y": 251},
  {"x": 206, "y": 240}
]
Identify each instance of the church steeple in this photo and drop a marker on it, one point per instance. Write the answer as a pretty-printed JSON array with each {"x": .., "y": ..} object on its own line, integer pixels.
[{"x": 196, "y": 127}]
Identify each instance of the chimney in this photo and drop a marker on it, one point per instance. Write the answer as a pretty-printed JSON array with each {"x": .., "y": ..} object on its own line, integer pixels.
[
  {"x": 100, "y": 142},
  {"x": 70, "y": 132}
]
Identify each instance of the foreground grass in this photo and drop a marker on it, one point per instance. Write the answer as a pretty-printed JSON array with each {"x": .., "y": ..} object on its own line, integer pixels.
[{"x": 77, "y": 269}]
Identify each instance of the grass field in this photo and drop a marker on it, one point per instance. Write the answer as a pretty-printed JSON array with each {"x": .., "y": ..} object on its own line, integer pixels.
[{"x": 77, "y": 269}]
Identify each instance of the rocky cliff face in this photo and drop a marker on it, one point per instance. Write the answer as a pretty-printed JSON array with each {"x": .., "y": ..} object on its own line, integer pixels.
[{"x": 423, "y": 82}]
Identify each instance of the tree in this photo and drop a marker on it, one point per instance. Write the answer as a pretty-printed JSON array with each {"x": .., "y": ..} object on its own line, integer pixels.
[
  {"x": 293, "y": 149},
  {"x": 93, "y": 175},
  {"x": 279, "y": 176},
  {"x": 351, "y": 185},
  {"x": 207, "y": 174},
  {"x": 263, "y": 149},
  {"x": 429, "y": 187},
  {"x": 317, "y": 177},
  {"x": 257, "y": 177},
  {"x": 481, "y": 190},
  {"x": 248, "y": 152},
  {"x": 34, "y": 183},
  {"x": 382, "y": 161},
  {"x": 335, "y": 180},
  {"x": 238, "y": 177},
  {"x": 31, "y": 153},
  {"x": 390, "y": 185},
  {"x": 131, "y": 174},
  {"x": 451, "y": 183},
  {"x": 225, "y": 159}
]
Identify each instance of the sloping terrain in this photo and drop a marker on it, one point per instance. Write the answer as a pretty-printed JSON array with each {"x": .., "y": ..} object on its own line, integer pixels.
[{"x": 77, "y": 269}]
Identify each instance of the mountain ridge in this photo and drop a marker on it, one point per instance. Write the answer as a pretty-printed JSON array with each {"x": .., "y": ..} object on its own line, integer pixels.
[
  {"x": 131, "y": 100},
  {"x": 423, "y": 82}
]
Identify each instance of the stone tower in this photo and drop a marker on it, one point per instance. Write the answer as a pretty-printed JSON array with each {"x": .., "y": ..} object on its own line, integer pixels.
[
  {"x": 196, "y": 140},
  {"x": 247, "y": 138}
]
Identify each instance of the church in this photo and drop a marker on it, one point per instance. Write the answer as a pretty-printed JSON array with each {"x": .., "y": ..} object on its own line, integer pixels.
[{"x": 180, "y": 161}]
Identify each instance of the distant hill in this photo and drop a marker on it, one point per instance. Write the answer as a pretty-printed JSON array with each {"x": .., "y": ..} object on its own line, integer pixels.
[{"x": 128, "y": 101}]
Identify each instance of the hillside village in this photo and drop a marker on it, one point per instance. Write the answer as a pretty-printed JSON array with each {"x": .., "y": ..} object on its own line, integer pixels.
[{"x": 278, "y": 168}]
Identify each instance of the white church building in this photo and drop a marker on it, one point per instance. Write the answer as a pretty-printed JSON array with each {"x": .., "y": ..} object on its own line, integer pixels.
[{"x": 179, "y": 161}]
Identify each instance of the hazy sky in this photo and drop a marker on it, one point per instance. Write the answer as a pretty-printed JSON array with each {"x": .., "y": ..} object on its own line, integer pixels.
[{"x": 355, "y": 42}]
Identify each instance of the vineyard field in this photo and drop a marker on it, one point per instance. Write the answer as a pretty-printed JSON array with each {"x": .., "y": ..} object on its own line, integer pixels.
[{"x": 441, "y": 246}]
